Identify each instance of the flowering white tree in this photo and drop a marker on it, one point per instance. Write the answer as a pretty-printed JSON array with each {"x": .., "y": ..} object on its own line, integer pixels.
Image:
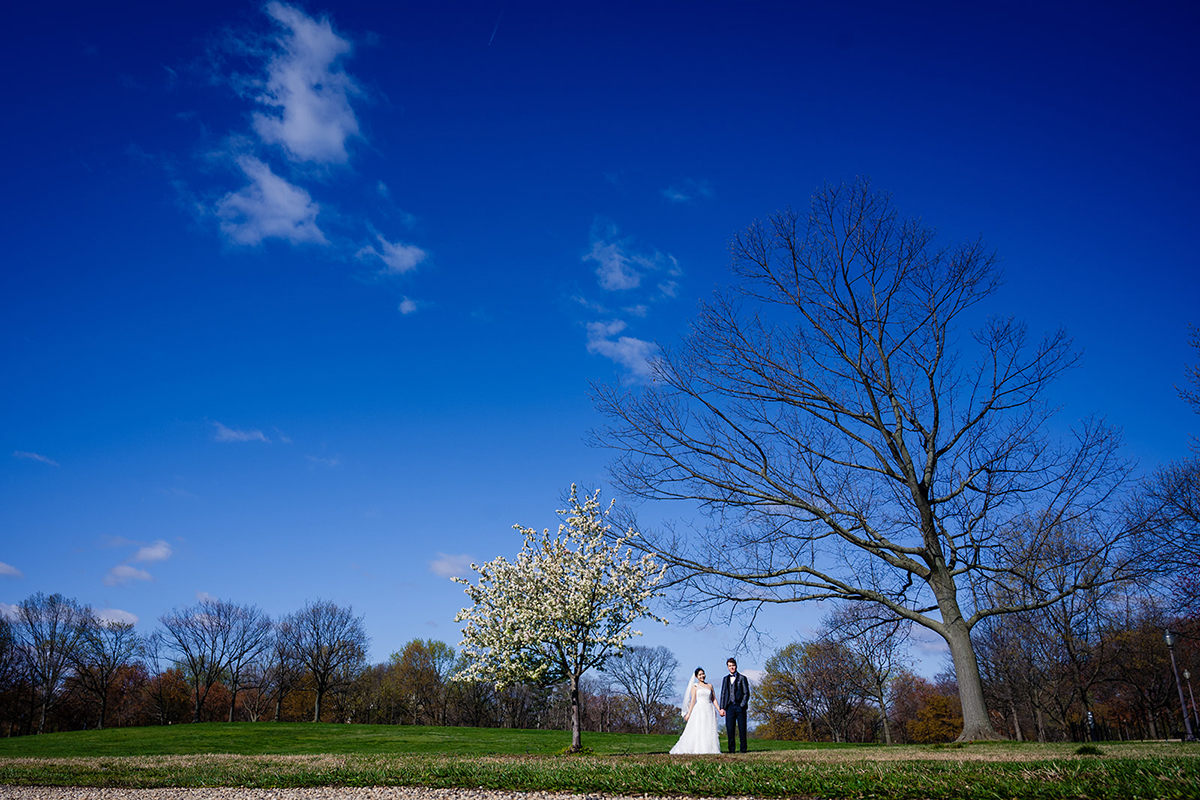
[{"x": 563, "y": 606}]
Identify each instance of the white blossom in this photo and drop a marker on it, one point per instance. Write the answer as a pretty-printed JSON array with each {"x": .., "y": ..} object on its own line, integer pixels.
[{"x": 563, "y": 606}]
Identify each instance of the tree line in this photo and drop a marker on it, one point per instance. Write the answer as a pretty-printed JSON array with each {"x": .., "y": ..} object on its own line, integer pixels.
[
  {"x": 64, "y": 668},
  {"x": 1095, "y": 668}
]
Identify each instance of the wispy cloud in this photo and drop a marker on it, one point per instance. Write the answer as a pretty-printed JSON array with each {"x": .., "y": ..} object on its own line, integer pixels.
[
  {"x": 9, "y": 571},
  {"x": 124, "y": 573},
  {"x": 615, "y": 269},
  {"x": 632, "y": 353},
  {"x": 619, "y": 265},
  {"x": 224, "y": 434},
  {"x": 158, "y": 551},
  {"x": 116, "y": 615},
  {"x": 8, "y": 610},
  {"x": 268, "y": 207},
  {"x": 408, "y": 306},
  {"x": 397, "y": 257},
  {"x": 34, "y": 457},
  {"x": 203, "y": 595},
  {"x": 688, "y": 190},
  {"x": 325, "y": 462},
  {"x": 306, "y": 90},
  {"x": 448, "y": 566}
]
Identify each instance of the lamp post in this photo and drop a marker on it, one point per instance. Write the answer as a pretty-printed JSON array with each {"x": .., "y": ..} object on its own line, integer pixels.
[
  {"x": 1187, "y": 676},
  {"x": 1187, "y": 721}
]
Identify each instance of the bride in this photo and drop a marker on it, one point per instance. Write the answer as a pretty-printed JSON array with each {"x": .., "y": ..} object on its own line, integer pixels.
[{"x": 700, "y": 709}]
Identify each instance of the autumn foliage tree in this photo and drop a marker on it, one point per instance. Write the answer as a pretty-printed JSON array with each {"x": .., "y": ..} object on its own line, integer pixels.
[{"x": 565, "y": 605}]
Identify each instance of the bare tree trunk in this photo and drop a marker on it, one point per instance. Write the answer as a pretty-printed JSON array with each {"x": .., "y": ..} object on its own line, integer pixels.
[
  {"x": 576, "y": 738},
  {"x": 1016, "y": 722},
  {"x": 317, "y": 707},
  {"x": 976, "y": 723}
]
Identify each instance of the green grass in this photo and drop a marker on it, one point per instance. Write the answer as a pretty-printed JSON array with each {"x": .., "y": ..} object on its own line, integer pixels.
[
  {"x": 301, "y": 738},
  {"x": 269, "y": 755}
]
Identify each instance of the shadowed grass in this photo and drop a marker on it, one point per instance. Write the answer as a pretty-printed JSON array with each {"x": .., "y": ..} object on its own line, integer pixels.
[{"x": 270, "y": 756}]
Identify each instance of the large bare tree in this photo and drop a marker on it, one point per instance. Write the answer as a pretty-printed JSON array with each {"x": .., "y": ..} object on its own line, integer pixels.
[
  {"x": 852, "y": 441},
  {"x": 331, "y": 643}
]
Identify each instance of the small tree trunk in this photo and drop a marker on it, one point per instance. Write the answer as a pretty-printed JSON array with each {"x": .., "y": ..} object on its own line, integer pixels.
[
  {"x": 576, "y": 738},
  {"x": 233, "y": 692},
  {"x": 317, "y": 707},
  {"x": 1016, "y": 722}
]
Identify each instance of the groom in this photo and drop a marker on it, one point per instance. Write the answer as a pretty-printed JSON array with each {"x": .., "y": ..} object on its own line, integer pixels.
[{"x": 735, "y": 699}]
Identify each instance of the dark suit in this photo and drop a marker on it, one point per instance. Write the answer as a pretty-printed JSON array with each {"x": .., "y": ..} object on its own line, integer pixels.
[{"x": 735, "y": 699}]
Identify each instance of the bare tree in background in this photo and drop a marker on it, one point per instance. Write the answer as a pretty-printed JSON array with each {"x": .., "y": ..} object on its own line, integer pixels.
[
  {"x": 331, "y": 643},
  {"x": 105, "y": 647},
  {"x": 647, "y": 675},
  {"x": 851, "y": 443},
  {"x": 50, "y": 629},
  {"x": 878, "y": 642},
  {"x": 284, "y": 669},
  {"x": 249, "y": 637},
  {"x": 199, "y": 637}
]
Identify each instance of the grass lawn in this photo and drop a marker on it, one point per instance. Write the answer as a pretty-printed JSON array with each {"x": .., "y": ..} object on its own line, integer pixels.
[{"x": 303, "y": 754}]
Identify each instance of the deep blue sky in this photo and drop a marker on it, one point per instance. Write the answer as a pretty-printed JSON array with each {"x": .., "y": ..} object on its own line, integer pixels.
[{"x": 271, "y": 355}]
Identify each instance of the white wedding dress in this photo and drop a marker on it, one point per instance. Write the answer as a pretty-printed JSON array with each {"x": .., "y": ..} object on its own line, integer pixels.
[{"x": 700, "y": 735}]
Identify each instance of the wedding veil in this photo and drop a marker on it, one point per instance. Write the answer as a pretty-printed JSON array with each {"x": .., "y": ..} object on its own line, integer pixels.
[{"x": 687, "y": 695}]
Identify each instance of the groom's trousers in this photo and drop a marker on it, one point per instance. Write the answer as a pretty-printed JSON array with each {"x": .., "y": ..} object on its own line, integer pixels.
[{"x": 735, "y": 721}]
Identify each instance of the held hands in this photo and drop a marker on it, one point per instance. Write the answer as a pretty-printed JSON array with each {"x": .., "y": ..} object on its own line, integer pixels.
[{"x": 721, "y": 711}]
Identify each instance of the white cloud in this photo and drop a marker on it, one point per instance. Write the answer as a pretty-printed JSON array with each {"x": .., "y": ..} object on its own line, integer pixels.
[
  {"x": 306, "y": 90},
  {"x": 640, "y": 310},
  {"x": 8, "y": 570},
  {"x": 326, "y": 462},
  {"x": 755, "y": 675},
  {"x": 158, "y": 551},
  {"x": 224, "y": 434},
  {"x": 116, "y": 615},
  {"x": 269, "y": 207},
  {"x": 397, "y": 257},
  {"x": 631, "y": 353},
  {"x": 688, "y": 191},
  {"x": 669, "y": 288},
  {"x": 619, "y": 267},
  {"x": 615, "y": 270},
  {"x": 407, "y": 306},
  {"x": 447, "y": 566},
  {"x": 8, "y": 610},
  {"x": 202, "y": 596},
  {"x": 124, "y": 573},
  {"x": 34, "y": 457}
]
